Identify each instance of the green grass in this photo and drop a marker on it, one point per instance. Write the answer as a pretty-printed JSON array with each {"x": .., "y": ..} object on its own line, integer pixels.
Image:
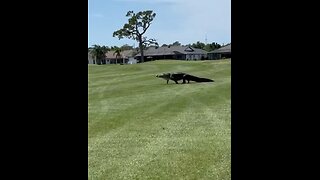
[{"x": 142, "y": 128}]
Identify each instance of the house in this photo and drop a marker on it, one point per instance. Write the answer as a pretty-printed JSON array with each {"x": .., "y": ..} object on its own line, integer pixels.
[
  {"x": 111, "y": 57},
  {"x": 223, "y": 52},
  {"x": 132, "y": 60},
  {"x": 173, "y": 52},
  {"x": 93, "y": 60}
]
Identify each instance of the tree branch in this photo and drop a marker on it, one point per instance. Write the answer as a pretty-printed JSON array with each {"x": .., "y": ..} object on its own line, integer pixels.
[
  {"x": 145, "y": 29},
  {"x": 148, "y": 42}
]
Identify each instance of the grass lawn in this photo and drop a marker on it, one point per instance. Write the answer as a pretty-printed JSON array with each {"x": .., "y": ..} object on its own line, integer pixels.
[{"x": 142, "y": 128}]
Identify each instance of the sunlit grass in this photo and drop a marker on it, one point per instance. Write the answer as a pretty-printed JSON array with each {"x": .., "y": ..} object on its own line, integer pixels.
[{"x": 142, "y": 128}]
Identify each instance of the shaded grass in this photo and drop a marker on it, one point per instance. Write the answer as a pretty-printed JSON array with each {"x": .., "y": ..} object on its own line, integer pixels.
[{"x": 142, "y": 128}]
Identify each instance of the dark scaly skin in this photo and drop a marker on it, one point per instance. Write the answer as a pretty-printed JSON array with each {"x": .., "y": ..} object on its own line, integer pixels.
[{"x": 177, "y": 76}]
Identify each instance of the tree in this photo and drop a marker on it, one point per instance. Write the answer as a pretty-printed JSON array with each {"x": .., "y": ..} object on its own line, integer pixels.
[
  {"x": 105, "y": 49},
  {"x": 136, "y": 27},
  {"x": 126, "y": 47},
  {"x": 114, "y": 48},
  {"x": 99, "y": 52},
  {"x": 198, "y": 45},
  {"x": 212, "y": 46},
  {"x": 176, "y": 43},
  {"x": 206, "y": 47},
  {"x": 117, "y": 52}
]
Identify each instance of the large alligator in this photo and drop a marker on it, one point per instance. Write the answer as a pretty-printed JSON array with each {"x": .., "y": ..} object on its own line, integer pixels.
[{"x": 177, "y": 76}]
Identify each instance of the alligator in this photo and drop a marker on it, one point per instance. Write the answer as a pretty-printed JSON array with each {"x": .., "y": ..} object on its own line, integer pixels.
[{"x": 177, "y": 76}]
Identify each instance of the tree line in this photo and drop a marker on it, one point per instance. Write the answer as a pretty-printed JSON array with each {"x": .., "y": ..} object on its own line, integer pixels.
[{"x": 200, "y": 45}]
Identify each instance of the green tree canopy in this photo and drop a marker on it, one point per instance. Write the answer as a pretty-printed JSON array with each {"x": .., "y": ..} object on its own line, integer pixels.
[
  {"x": 98, "y": 52},
  {"x": 137, "y": 25},
  {"x": 117, "y": 52},
  {"x": 176, "y": 44},
  {"x": 126, "y": 47}
]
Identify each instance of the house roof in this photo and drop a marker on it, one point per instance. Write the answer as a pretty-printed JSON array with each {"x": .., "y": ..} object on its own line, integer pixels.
[
  {"x": 172, "y": 50},
  {"x": 224, "y": 49},
  {"x": 124, "y": 54}
]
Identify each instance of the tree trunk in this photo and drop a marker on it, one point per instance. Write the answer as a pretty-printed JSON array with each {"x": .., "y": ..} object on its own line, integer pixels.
[
  {"x": 98, "y": 61},
  {"x": 141, "y": 49}
]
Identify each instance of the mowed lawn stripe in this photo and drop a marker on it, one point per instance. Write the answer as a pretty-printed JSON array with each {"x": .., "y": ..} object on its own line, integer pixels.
[
  {"x": 197, "y": 135},
  {"x": 119, "y": 110},
  {"x": 151, "y": 130}
]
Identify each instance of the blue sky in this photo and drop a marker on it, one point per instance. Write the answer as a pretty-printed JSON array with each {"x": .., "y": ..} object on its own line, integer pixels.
[{"x": 186, "y": 21}]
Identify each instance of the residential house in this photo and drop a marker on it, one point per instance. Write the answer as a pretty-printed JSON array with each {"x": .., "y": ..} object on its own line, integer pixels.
[
  {"x": 223, "y": 52},
  {"x": 124, "y": 57},
  {"x": 173, "y": 52},
  {"x": 132, "y": 60},
  {"x": 93, "y": 60}
]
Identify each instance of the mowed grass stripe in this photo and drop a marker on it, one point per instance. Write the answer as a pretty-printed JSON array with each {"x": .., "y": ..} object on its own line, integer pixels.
[
  {"x": 119, "y": 112},
  {"x": 151, "y": 130},
  {"x": 182, "y": 134},
  {"x": 133, "y": 100}
]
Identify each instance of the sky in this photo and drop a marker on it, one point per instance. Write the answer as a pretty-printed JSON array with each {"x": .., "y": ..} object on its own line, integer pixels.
[{"x": 186, "y": 21}]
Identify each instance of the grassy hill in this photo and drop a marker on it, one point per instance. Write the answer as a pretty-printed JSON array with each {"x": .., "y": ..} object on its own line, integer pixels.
[{"x": 142, "y": 128}]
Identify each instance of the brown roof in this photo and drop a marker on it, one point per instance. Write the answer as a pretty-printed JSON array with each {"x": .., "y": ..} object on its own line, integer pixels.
[
  {"x": 172, "y": 50},
  {"x": 124, "y": 54}
]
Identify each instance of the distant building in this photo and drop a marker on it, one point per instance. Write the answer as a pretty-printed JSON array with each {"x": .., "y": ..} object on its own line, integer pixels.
[
  {"x": 93, "y": 60},
  {"x": 132, "y": 61},
  {"x": 173, "y": 52},
  {"x": 110, "y": 57},
  {"x": 223, "y": 52},
  {"x": 123, "y": 58}
]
